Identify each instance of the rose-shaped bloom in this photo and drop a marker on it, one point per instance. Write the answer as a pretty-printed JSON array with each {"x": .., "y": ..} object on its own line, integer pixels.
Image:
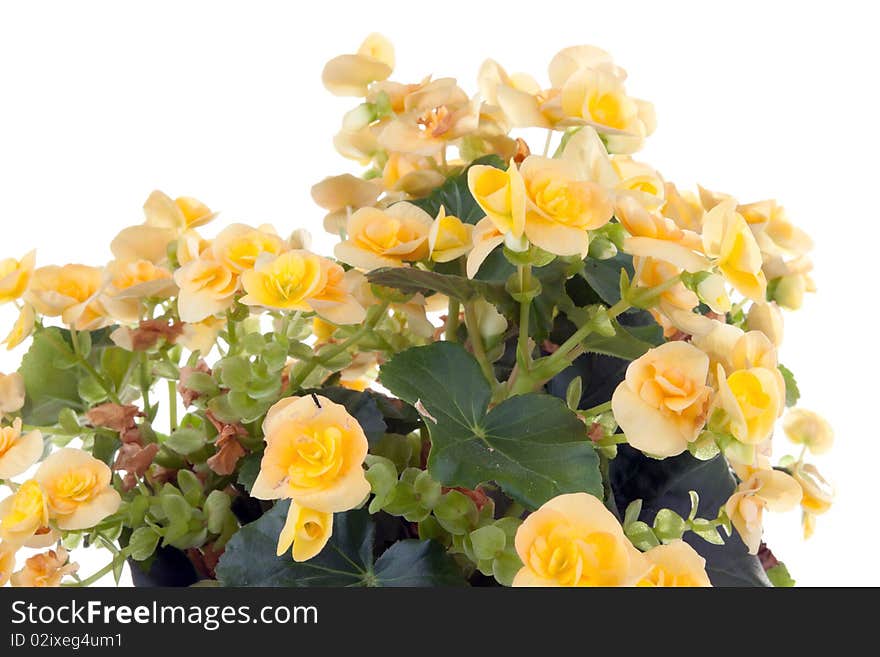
[
  {"x": 78, "y": 489},
  {"x": 751, "y": 401},
  {"x": 501, "y": 195},
  {"x": 561, "y": 206},
  {"x": 207, "y": 287},
  {"x": 22, "y": 328},
  {"x": 7, "y": 562},
  {"x": 766, "y": 317},
  {"x": 129, "y": 282},
  {"x": 306, "y": 530},
  {"x": 15, "y": 276},
  {"x": 238, "y": 246},
  {"x": 661, "y": 404},
  {"x": 385, "y": 238},
  {"x": 18, "y": 452},
  {"x": 12, "y": 392},
  {"x": 573, "y": 540},
  {"x": 23, "y": 513},
  {"x": 45, "y": 570},
  {"x": 69, "y": 291},
  {"x": 675, "y": 564},
  {"x": 284, "y": 282},
  {"x": 351, "y": 75},
  {"x": 314, "y": 455},
  {"x": 807, "y": 428},
  {"x": 765, "y": 489},
  {"x": 180, "y": 214},
  {"x": 726, "y": 237},
  {"x": 449, "y": 237}
]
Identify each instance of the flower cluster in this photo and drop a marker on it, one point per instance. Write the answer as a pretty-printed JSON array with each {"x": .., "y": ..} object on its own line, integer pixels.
[{"x": 448, "y": 386}]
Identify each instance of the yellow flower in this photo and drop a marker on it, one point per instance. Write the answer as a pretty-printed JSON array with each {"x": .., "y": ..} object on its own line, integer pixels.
[
  {"x": 207, "y": 287},
  {"x": 18, "y": 452},
  {"x": 573, "y": 540},
  {"x": 22, "y": 328},
  {"x": 201, "y": 336},
  {"x": 322, "y": 330},
  {"x": 7, "y": 562},
  {"x": 351, "y": 75},
  {"x": 411, "y": 174},
  {"x": 284, "y": 282},
  {"x": 12, "y": 392},
  {"x": 661, "y": 404},
  {"x": 726, "y": 237},
  {"x": 790, "y": 280},
  {"x": 306, "y": 530},
  {"x": 337, "y": 301},
  {"x": 314, "y": 455},
  {"x": 773, "y": 231},
  {"x": 684, "y": 209},
  {"x": 561, "y": 206},
  {"x": 486, "y": 238},
  {"x": 501, "y": 195},
  {"x": 23, "y": 513},
  {"x": 78, "y": 490},
  {"x": 238, "y": 246},
  {"x": 45, "y": 570},
  {"x": 190, "y": 245},
  {"x": 15, "y": 276},
  {"x": 651, "y": 272},
  {"x": 70, "y": 291},
  {"x": 340, "y": 195},
  {"x": 143, "y": 242},
  {"x": 818, "y": 495},
  {"x": 638, "y": 180},
  {"x": 675, "y": 564},
  {"x": 764, "y": 489},
  {"x": 129, "y": 282},
  {"x": 449, "y": 237},
  {"x": 810, "y": 429},
  {"x": 179, "y": 214},
  {"x": 385, "y": 238},
  {"x": 751, "y": 402},
  {"x": 766, "y": 317}
]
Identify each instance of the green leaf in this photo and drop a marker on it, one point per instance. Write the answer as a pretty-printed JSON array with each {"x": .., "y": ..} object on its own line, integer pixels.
[
  {"x": 248, "y": 470},
  {"x": 116, "y": 363},
  {"x": 604, "y": 275},
  {"x": 48, "y": 388},
  {"x": 666, "y": 484},
  {"x": 532, "y": 445},
  {"x": 346, "y": 560},
  {"x": 455, "y": 196},
  {"x": 780, "y": 577},
  {"x": 143, "y": 543},
  {"x": 186, "y": 441},
  {"x": 624, "y": 343},
  {"x": 411, "y": 281},
  {"x": 792, "y": 394}
]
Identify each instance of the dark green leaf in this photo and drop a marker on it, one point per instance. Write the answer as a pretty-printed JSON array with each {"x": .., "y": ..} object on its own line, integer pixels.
[
  {"x": 455, "y": 196},
  {"x": 604, "y": 275},
  {"x": 417, "y": 563},
  {"x": 532, "y": 445},
  {"x": 248, "y": 470},
  {"x": 624, "y": 343},
  {"x": 411, "y": 281},
  {"x": 48, "y": 388}
]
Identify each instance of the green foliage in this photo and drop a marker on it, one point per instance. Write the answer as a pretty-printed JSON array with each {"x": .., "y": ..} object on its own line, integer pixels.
[
  {"x": 532, "y": 445},
  {"x": 347, "y": 560},
  {"x": 46, "y": 396},
  {"x": 792, "y": 393},
  {"x": 780, "y": 577}
]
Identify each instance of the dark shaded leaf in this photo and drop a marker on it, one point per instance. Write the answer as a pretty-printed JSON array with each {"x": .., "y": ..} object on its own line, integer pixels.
[
  {"x": 604, "y": 276},
  {"x": 417, "y": 563},
  {"x": 455, "y": 196}
]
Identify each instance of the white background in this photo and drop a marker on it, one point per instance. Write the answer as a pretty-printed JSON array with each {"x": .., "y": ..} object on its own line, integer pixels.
[{"x": 102, "y": 102}]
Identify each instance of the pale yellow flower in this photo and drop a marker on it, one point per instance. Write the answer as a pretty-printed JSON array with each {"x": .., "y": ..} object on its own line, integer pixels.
[
  {"x": 501, "y": 195},
  {"x": 449, "y": 237},
  {"x": 306, "y": 530},
  {"x": 207, "y": 287},
  {"x": 201, "y": 336},
  {"x": 751, "y": 401},
  {"x": 78, "y": 490},
  {"x": 661, "y": 404},
  {"x": 22, "y": 328},
  {"x": 12, "y": 392},
  {"x": 351, "y": 75},
  {"x": 314, "y": 455},
  {"x": 727, "y": 237},
  {"x": 284, "y": 282},
  {"x": 46, "y": 569},
  {"x": 818, "y": 495},
  {"x": 143, "y": 242},
  {"x": 180, "y": 214},
  {"x": 675, "y": 564},
  {"x": 18, "y": 452},
  {"x": 773, "y": 230},
  {"x": 15, "y": 276},
  {"x": 765, "y": 489},
  {"x": 810, "y": 429},
  {"x": 337, "y": 301},
  {"x": 791, "y": 279},
  {"x": 651, "y": 272},
  {"x": 23, "y": 513},
  {"x": 411, "y": 174},
  {"x": 238, "y": 246},
  {"x": 766, "y": 317},
  {"x": 340, "y": 195},
  {"x": 190, "y": 245},
  {"x": 685, "y": 209},
  {"x": 385, "y": 238},
  {"x": 639, "y": 180},
  {"x": 486, "y": 238},
  {"x": 127, "y": 283},
  {"x": 7, "y": 562},
  {"x": 70, "y": 291},
  {"x": 573, "y": 540}
]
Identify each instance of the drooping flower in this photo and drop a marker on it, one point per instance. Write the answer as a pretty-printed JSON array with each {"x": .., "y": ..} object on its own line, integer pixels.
[
  {"x": 385, "y": 238},
  {"x": 22, "y": 328},
  {"x": 341, "y": 195},
  {"x": 765, "y": 489},
  {"x": 573, "y": 540},
  {"x": 766, "y": 317},
  {"x": 314, "y": 455},
  {"x": 351, "y": 75},
  {"x": 15, "y": 276},
  {"x": 77, "y": 487},
  {"x": 675, "y": 564},
  {"x": 727, "y": 237},
  {"x": 306, "y": 530},
  {"x": 751, "y": 401},
  {"x": 661, "y": 404},
  {"x": 818, "y": 495},
  {"x": 46, "y": 569},
  {"x": 18, "y": 452},
  {"x": 179, "y": 214},
  {"x": 810, "y": 429}
]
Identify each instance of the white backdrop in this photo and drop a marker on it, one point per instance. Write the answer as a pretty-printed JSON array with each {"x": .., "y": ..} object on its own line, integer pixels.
[{"x": 102, "y": 102}]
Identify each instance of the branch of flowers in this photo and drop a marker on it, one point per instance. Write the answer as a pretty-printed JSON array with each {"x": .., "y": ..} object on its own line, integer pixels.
[
  {"x": 307, "y": 367},
  {"x": 523, "y": 353},
  {"x": 120, "y": 557},
  {"x": 479, "y": 349},
  {"x": 452, "y": 320}
]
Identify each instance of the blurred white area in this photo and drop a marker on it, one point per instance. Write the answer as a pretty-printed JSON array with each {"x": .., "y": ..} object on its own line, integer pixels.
[{"x": 103, "y": 102}]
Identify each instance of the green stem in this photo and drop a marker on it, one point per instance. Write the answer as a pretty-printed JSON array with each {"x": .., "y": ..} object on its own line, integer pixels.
[
  {"x": 306, "y": 368},
  {"x": 473, "y": 327},
  {"x": 172, "y": 404},
  {"x": 523, "y": 352},
  {"x": 121, "y": 556},
  {"x": 145, "y": 383},
  {"x": 83, "y": 363},
  {"x": 597, "y": 410},
  {"x": 452, "y": 320},
  {"x": 616, "y": 439}
]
